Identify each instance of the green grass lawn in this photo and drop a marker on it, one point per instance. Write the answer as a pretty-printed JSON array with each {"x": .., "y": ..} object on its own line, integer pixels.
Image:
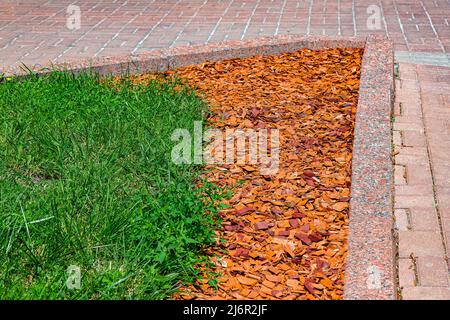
[{"x": 86, "y": 179}]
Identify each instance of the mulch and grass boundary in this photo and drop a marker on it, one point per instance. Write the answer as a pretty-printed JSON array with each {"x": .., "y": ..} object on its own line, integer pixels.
[
  {"x": 87, "y": 183},
  {"x": 370, "y": 267}
]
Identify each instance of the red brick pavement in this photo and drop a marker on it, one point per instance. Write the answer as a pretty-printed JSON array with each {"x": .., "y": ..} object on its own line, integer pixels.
[
  {"x": 422, "y": 180},
  {"x": 35, "y": 31}
]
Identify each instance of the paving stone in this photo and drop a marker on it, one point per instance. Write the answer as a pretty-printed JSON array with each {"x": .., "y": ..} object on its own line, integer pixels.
[
  {"x": 439, "y": 137},
  {"x": 420, "y": 243},
  {"x": 401, "y": 219},
  {"x": 399, "y": 175},
  {"x": 414, "y": 201},
  {"x": 443, "y": 196},
  {"x": 423, "y": 219},
  {"x": 410, "y": 85},
  {"x": 414, "y": 190},
  {"x": 397, "y": 138},
  {"x": 397, "y": 110},
  {"x": 401, "y": 126},
  {"x": 419, "y": 174},
  {"x": 415, "y": 120},
  {"x": 440, "y": 153},
  {"x": 447, "y": 235},
  {"x": 441, "y": 174},
  {"x": 407, "y": 70},
  {"x": 414, "y": 139},
  {"x": 412, "y": 110},
  {"x": 426, "y": 293},
  {"x": 417, "y": 160},
  {"x": 432, "y": 271},
  {"x": 406, "y": 270},
  {"x": 414, "y": 151}
]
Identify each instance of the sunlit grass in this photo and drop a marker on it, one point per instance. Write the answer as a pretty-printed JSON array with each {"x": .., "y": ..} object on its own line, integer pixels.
[{"x": 86, "y": 179}]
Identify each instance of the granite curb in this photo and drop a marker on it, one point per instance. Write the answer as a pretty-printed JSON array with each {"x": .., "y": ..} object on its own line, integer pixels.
[{"x": 370, "y": 268}]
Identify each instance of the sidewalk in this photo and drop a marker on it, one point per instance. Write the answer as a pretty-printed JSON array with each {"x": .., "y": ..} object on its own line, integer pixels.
[
  {"x": 422, "y": 180},
  {"x": 37, "y": 31}
]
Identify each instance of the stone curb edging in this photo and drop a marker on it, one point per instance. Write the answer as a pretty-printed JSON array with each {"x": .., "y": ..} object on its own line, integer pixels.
[
  {"x": 170, "y": 58},
  {"x": 370, "y": 268},
  {"x": 370, "y": 271}
]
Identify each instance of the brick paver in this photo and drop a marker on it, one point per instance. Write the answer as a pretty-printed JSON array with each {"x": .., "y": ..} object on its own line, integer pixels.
[
  {"x": 422, "y": 193},
  {"x": 39, "y": 31}
]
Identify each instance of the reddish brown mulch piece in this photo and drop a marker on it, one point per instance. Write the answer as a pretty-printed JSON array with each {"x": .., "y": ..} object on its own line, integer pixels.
[{"x": 286, "y": 234}]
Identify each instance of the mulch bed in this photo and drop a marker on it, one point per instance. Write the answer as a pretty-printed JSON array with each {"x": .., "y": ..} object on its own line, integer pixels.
[{"x": 286, "y": 234}]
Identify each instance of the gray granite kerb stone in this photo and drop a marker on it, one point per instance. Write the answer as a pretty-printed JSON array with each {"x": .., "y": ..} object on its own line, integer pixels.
[{"x": 370, "y": 266}]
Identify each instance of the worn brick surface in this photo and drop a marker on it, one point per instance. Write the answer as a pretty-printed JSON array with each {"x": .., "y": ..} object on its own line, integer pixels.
[
  {"x": 414, "y": 201},
  {"x": 36, "y": 31},
  {"x": 424, "y": 219},
  {"x": 400, "y": 175},
  {"x": 414, "y": 139},
  {"x": 419, "y": 173},
  {"x": 433, "y": 271},
  {"x": 402, "y": 219},
  {"x": 407, "y": 273},
  {"x": 426, "y": 293},
  {"x": 422, "y": 145},
  {"x": 420, "y": 243},
  {"x": 442, "y": 174}
]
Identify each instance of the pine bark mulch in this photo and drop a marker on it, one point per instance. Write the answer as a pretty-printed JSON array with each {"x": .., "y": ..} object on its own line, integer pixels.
[{"x": 285, "y": 235}]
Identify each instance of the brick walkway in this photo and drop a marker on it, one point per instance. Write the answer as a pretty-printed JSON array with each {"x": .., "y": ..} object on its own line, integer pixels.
[
  {"x": 422, "y": 179},
  {"x": 36, "y": 32}
]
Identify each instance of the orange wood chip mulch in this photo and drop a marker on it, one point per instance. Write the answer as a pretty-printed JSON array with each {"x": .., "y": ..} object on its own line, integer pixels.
[{"x": 286, "y": 234}]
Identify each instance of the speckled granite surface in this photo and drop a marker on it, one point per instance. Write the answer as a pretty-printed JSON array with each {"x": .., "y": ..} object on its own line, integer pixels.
[{"x": 370, "y": 269}]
